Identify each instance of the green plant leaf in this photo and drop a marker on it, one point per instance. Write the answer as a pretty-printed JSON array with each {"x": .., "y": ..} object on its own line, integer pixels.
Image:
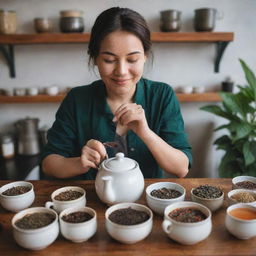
[
  {"x": 250, "y": 77},
  {"x": 224, "y": 126},
  {"x": 229, "y": 166},
  {"x": 236, "y": 103},
  {"x": 249, "y": 153},
  {"x": 247, "y": 92},
  {"x": 214, "y": 109},
  {"x": 239, "y": 143},
  {"x": 242, "y": 129}
]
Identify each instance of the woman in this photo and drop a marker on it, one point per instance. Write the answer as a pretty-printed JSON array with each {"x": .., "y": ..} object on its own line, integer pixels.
[{"x": 145, "y": 114}]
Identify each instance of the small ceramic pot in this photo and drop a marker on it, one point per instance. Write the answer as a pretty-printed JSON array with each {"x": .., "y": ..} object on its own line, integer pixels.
[
  {"x": 129, "y": 234},
  {"x": 213, "y": 203},
  {"x": 19, "y": 202},
  {"x": 43, "y": 25},
  {"x": 78, "y": 232},
  {"x": 237, "y": 179},
  {"x": 235, "y": 191},
  {"x": 52, "y": 90},
  {"x": 71, "y": 24},
  {"x": 158, "y": 205},
  {"x": 32, "y": 91},
  {"x": 39, "y": 238},
  {"x": 187, "y": 233},
  {"x": 242, "y": 229},
  {"x": 59, "y": 206}
]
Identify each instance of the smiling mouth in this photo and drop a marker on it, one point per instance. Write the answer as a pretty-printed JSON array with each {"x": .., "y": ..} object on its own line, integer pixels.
[{"x": 121, "y": 81}]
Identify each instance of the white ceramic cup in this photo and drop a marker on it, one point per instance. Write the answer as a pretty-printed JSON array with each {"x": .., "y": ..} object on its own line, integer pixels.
[
  {"x": 242, "y": 229},
  {"x": 59, "y": 206},
  {"x": 241, "y": 190},
  {"x": 212, "y": 203},
  {"x": 129, "y": 234},
  {"x": 187, "y": 233},
  {"x": 39, "y": 238},
  {"x": 158, "y": 205},
  {"x": 237, "y": 179},
  {"x": 19, "y": 202},
  {"x": 32, "y": 91},
  {"x": 78, "y": 232},
  {"x": 52, "y": 90}
]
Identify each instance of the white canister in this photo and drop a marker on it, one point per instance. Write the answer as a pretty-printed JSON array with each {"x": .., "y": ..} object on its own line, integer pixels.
[{"x": 7, "y": 146}]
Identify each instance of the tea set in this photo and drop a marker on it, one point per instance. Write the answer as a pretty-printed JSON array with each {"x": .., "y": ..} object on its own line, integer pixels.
[{"x": 119, "y": 184}]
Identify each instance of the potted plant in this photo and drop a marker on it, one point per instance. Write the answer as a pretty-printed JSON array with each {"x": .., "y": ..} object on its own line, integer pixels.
[{"x": 239, "y": 144}]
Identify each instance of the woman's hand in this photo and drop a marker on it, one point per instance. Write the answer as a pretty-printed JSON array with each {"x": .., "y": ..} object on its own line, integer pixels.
[
  {"x": 132, "y": 115},
  {"x": 93, "y": 153}
]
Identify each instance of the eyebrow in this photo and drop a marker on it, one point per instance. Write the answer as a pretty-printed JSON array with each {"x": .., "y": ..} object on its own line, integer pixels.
[{"x": 112, "y": 54}]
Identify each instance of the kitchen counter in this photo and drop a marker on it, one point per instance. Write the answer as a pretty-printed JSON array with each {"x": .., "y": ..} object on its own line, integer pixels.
[
  {"x": 220, "y": 242},
  {"x": 18, "y": 168}
]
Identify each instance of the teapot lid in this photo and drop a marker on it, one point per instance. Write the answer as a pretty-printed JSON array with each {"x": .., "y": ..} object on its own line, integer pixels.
[{"x": 119, "y": 163}]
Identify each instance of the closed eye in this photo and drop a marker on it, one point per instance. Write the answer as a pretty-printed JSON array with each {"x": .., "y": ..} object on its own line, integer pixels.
[
  {"x": 108, "y": 61},
  {"x": 132, "y": 61}
]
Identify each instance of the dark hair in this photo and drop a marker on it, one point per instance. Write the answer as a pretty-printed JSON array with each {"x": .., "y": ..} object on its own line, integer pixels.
[{"x": 115, "y": 19}]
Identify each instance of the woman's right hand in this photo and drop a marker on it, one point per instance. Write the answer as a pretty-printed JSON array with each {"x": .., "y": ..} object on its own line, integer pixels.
[{"x": 93, "y": 153}]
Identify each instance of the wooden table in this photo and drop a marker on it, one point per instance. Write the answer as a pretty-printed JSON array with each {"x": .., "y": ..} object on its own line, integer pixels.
[{"x": 220, "y": 242}]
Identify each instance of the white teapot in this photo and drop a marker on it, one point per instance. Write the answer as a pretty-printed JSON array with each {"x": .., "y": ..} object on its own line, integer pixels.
[{"x": 119, "y": 179}]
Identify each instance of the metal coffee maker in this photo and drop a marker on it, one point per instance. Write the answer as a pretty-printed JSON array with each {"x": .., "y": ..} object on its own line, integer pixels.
[{"x": 28, "y": 139}]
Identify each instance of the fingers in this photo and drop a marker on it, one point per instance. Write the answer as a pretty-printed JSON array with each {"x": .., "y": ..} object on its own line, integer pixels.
[
  {"x": 92, "y": 154},
  {"x": 128, "y": 112}
]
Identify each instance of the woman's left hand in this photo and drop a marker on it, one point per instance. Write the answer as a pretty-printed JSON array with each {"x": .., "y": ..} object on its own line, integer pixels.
[{"x": 132, "y": 115}]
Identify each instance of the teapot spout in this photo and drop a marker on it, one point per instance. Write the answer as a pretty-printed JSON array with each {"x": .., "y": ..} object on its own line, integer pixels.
[{"x": 108, "y": 192}]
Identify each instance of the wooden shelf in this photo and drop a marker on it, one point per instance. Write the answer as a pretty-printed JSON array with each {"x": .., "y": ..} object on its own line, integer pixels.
[
  {"x": 193, "y": 97},
  {"x": 199, "y": 97},
  {"x": 41, "y": 98},
  {"x": 7, "y": 42},
  {"x": 84, "y": 37}
]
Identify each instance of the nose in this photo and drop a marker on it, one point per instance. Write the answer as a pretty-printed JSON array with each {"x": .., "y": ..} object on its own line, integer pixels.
[{"x": 121, "y": 68}]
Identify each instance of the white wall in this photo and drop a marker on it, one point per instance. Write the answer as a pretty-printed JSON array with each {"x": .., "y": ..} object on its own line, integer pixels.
[{"x": 174, "y": 63}]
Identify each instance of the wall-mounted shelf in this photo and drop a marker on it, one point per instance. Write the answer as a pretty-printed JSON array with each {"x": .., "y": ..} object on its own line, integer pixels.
[
  {"x": 7, "y": 42},
  {"x": 193, "y": 97}
]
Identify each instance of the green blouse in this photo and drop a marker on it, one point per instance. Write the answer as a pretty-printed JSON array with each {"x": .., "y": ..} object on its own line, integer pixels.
[{"x": 85, "y": 114}]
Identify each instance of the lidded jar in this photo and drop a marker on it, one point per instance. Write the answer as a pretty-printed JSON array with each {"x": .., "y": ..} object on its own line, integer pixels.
[
  {"x": 119, "y": 179},
  {"x": 71, "y": 21}
]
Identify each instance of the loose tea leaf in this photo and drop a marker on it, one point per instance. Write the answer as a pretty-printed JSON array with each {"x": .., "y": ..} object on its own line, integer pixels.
[
  {"x": 187, "y": 215},
  {"x": 244, "y": 197},
  {"x": 35, "y": 220},
  {"x": 68, "y": 195},
  {"x": 14, "y": 191},
  {"x": 246, "y": 184},
  {"x": 208, "y": 192},
  {"x": 77, "y": 217},
  {"x": 165, "y": 193},
  {"x": 128, "y": 216}
]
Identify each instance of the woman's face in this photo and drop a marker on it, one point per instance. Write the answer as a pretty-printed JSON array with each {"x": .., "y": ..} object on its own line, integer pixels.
[{"x": 121, "y": 62}]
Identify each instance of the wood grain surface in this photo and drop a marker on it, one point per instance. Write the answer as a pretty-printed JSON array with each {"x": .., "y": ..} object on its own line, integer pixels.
[{"x": 220, "y": 242}]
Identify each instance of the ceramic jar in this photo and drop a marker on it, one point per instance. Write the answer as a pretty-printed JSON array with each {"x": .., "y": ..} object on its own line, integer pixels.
[
  {"x": 170, "y": 20},
  {"x": 8, "y": 22},
  {"x": 71, "y": 21},
  {"x": 119, "y": 179},
  {"x": 43, "y": 25}
]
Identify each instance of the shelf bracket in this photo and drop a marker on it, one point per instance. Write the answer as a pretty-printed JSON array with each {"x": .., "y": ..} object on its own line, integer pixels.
[
  {"x": 8, "y": 53},
  {"x": 221, "y": 46}
]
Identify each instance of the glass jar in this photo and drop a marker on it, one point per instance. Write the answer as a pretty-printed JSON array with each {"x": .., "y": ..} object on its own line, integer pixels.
[{"x": 7, "y": 146}]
